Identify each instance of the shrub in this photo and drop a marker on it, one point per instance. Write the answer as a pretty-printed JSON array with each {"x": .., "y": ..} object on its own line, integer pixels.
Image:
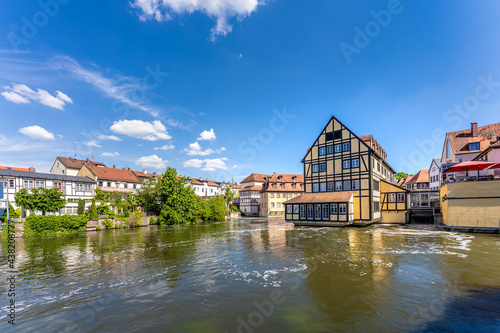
[
  {"x": 213, "y": 209},
  {"x": 108, "y": 224},
  {"x": 153, "y": 220},
  {"x": 93, "y": 211},
  {"x": 81, "y": 207},
  {"x": 50, "y": 224},
  {"x": 98, "y": 228},
  {"x": 234, "y": 209}
]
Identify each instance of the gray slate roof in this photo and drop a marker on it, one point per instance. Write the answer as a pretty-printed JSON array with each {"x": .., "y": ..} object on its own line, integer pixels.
[{"x": 39, "y": 175}]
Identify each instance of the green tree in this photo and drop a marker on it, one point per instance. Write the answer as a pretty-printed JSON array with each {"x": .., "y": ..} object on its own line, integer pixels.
[
  {"x": 401, "y": 175},
  {"x": 13, "y": 213},
  {"x": 179, "y": 203},
  {"x": 81, "y": 207},
  {"x": 93, "y": 211},
  {"x": 40, "y": 199},
  {"x": 147, "y": 196},
  {"x": 213, "y": 209},
  {"x": 229, "y": 196}
]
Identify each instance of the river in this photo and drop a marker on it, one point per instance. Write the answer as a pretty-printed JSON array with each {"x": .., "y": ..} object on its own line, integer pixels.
[{"x": 251, "y": 275}]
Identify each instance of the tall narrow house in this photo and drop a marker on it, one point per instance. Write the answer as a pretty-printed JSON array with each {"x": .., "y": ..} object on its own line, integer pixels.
[{"x": 347, "y": 182}]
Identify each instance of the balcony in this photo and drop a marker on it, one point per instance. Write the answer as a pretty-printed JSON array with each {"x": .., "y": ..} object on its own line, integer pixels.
[{"x": 116, "y": 189}]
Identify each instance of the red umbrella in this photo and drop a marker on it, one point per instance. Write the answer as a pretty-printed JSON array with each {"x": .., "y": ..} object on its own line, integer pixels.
[
  {"x": 495, "y": 166},
  {"x": 468, "y": 166}
]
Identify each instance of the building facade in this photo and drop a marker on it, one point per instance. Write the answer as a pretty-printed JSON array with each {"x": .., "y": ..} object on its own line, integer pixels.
[
  {"x": 278, "y": 189},
  {"x": 250, "y": 194},
  {"x": 111, "y": 179},
  {"x": 435, "y": 175},
  {"x": 347, "y": 181}
]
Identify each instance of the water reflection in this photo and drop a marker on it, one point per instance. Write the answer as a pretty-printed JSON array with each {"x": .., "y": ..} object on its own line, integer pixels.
[{"x": 220, "y": 277}]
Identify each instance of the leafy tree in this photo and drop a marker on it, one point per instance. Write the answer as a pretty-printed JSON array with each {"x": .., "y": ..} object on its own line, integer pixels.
[
  {"x": 40, "y": 199},
  {"x": 81, "y": 207},
  {"x": 401, "y": 175},
  {"x": 13, "y": 213},
  {"x": 147, "y": 196},
  {"x": 179, "y": 203},
  {"x": 213, "y": 209},
  {"x": 229, "y": 196},
  {"x": 93, "y": 211}
]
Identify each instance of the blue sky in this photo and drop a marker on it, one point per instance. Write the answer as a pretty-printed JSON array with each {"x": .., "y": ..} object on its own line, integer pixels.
[{"x": 221, "y": 90}]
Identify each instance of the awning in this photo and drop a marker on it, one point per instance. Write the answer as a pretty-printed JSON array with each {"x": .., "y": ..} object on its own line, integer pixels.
[
  {"x": 469, "y": 166},
  {"x": 328, "y": 197}
]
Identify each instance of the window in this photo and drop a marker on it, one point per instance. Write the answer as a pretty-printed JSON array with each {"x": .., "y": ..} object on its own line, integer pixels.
[
  {"x": 272, "y": 204},
  {"x": 355, "y": 163},
  {"x": 39, "y": 183},
  {"x": 333, "y": 208},
  {"x": 79, "y": 187},
  {"x": 337, "y": 135},
  {"x": 338, "y": 148},
  {"x": 322, "y": 167},
  {"x": 282, "y": 186},
  {"x": 272, "y": 195},
  {"x": 342, "y": 208},
  {"x": 289, "y": 209},
  {"x": 289, "y": 195},
  {"x": 447, "y": 149},
  {"x": 317, "y": 212},
  {"x": 28, "y": 184},
  {"x": 346, "y": 147},
  {"x": 279, "y": 204},
  {"x": 474, "y": 146},
  {"x": 329, "y": 136},
  {"x": 315, "y": 168},
  {"x": 294, "y": 186},
  {"x": 322, "y": 151},
  {"x": 309, "y": 212},
  {"x": 316, "y": 187},
  {"x": 108, "y": 184},
  {"x": 274, "y": 186},
  {"x": 331, "y": 186},
  {"x": 355, "y": 184},
  {"x": 302, "y": 212},
  {"x": 346, "y": 164},
  {"x": 322, "y": 187},
  {"x": 378, "y": 166},
  {"x": 11, "y": 182},
  {"x": 278, "y": 195},
  {"x": 100, "y": 183},
  {"x": 338, "y": 186},
  {"x": 392, "y": 197},
  {"x": 135, "y": 186},
  {"x": 376, "y": 185},
  {"x": 295, "y": 209},
  {"x": 125, "y": 185},
  {"x": 326, "y": 213},
  {"x": 347, "y": 185},
  {"x": 87, "y": 188},
  {"x": 376, "y": 206},
  {"x": 329, "y": 150},
  {"x": 56, "y": 185}
]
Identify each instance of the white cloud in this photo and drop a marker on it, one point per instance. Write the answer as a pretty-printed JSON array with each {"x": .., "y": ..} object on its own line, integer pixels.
[
  {"x": 151, "y": 131},
  {"x": 220, "y": 10},
  {"x": 152, "y": 161},
  {"x": 21, "y": 93},
  {"x": 195, "y": 149},
  {"x": 107, "y": 137},
  {"x": 240, "y": 55},
  {"x": 110, "y": 154},
  {"x": 120, "y": 88},
  {"x": 207, "y": 164},
  {"x": 165, "y": 147},
  {"x": 92, "y": 143},
  {"x": 207, "y": 135},
  {"x": 37, "y": 132}
]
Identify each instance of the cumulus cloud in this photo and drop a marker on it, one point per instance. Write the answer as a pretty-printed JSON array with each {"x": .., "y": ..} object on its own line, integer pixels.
[
  {"x": 209, "y": 164},
  {"x": 37, "y": 132},
  {"x": 107, "y": 137},
  {"x": 92, "y": 143},
  {"x": 151, "y": 131},
  {"x": 110, "y": 154},
  {"x": 220, "y": 10},
  {"x": 22, "y": 94},
  {"x": 207, "y": 135},
  {"x": 195, "y": 149},
  {"x": 152, "y": 161},
  {"x": 165, "y": 147}
]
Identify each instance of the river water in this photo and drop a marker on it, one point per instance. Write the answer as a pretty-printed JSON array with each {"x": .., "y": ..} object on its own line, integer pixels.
[{"x": 251, "y": 275}]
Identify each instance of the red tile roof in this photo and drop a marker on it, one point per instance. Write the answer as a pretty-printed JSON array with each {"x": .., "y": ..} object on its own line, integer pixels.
[
  {"x": 74, "y": 163},
  {"x": 288, "y": 180},
  {"x": 255, "y": 177},
  {"x": 122, "y": 175},
  {"x": 459, "y": 140},
  {"x": 15, "y": 169},
  {"x": 252, "y": 188},
  {"x": 146, "y": 175},
  {"x": 344, "y": 196},
  {"x": 421, "y": 177}
]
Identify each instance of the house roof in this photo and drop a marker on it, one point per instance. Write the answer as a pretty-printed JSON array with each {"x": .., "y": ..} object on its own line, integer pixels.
[
  {"x": 255, "y": 177},
  {"x": 421, "y": 177},
  {"x": 459, "y": 140},
  {"x": 288, "y": 180},
  {"x": 40, "y": 175},
  {"x": 14, "y": 168},
  {"x": 122, "y": 175},
  {"x": 252, "y": 188},
  {"x": 343, "y": 196},
  {"x": 74, "y": 163},
  {"x": 146, "y": 175},
  {"x": 406, "y": 180},
  {"x": 495, "y": 145}
]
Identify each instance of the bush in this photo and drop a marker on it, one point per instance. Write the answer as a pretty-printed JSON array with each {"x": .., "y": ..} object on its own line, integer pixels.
[
  {"x": 50, "y": 224},
  {"x": 108, "y": 224},
  {"x": 13, "y": 213},
  {"x": 234, "y": 209},
  {"x": 213, "y": 209},
  {"x": 93, "y": 211},
  {"x": 153, "y": 220},
  {"x": 81, "y": 207}
]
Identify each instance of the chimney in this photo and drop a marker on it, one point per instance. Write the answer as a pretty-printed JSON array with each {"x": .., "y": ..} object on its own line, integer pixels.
[
  {"x": 88, "y": 161},
  {"x": 473, "y": 129},
  {"x": 32, "y": 169},
  {"x": 114, "y": 166},
  {"x": 154, "y": 173},
  {"x": 128, "y": 169},
  {"x": 145, "y": 171}
]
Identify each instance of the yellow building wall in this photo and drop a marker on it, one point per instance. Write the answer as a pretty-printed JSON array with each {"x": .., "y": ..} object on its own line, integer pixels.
[
  {"x": 85, "y": 172},
  {"x": 475, "y": 209}
]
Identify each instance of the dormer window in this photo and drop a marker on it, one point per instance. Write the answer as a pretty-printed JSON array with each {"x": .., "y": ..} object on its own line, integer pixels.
[{"x": 473, "y": 146}]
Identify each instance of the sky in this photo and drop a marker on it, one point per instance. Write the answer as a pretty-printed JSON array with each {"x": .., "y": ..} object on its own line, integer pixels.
[{"x": 220, "y": 89}]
